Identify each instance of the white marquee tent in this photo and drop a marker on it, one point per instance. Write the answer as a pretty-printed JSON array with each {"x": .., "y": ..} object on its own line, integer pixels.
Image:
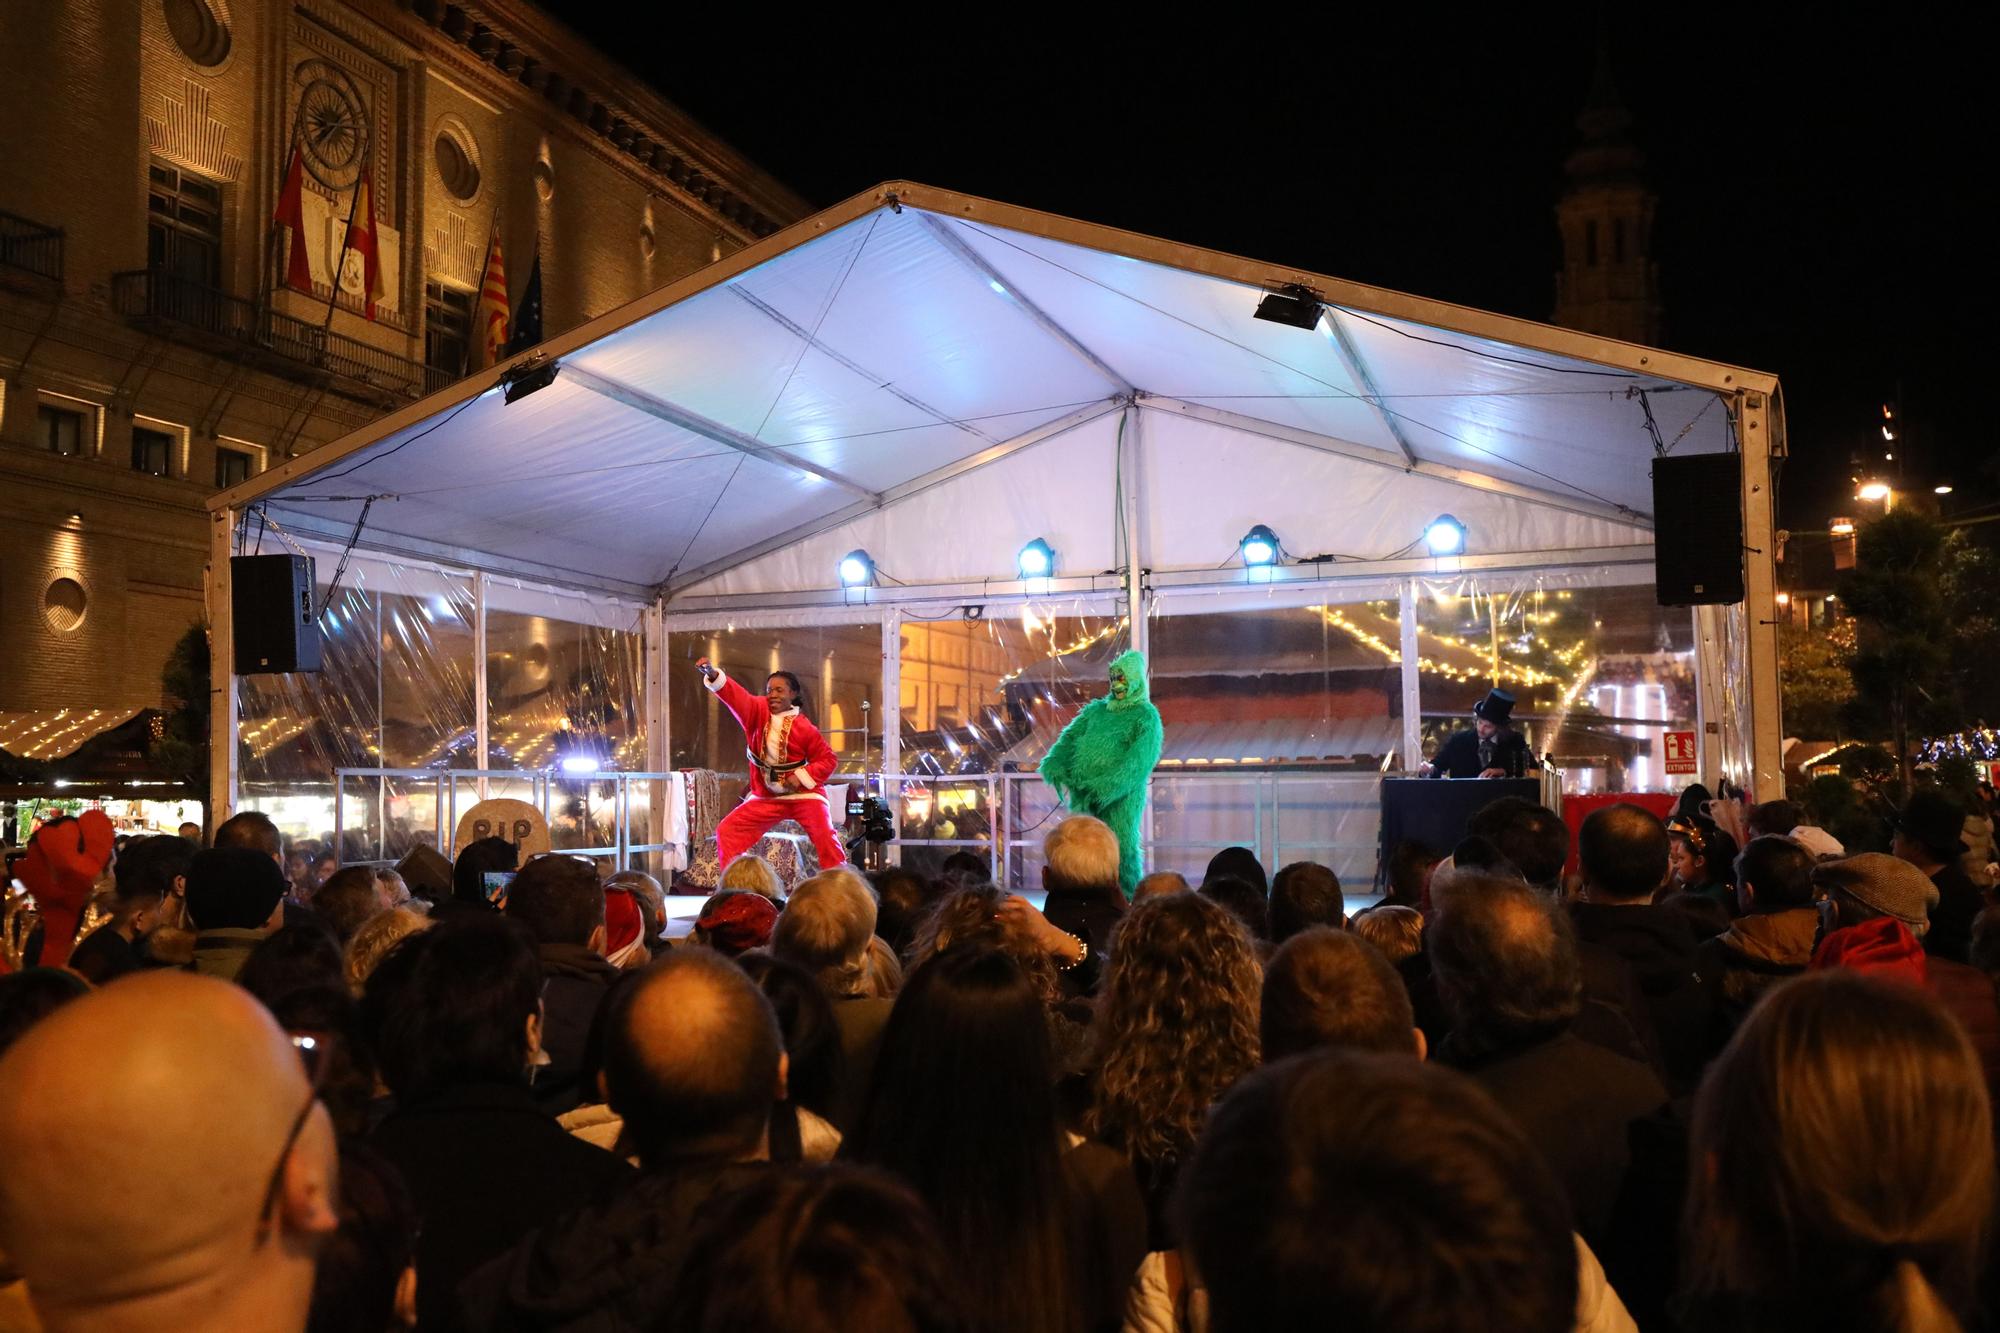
[{"x": 938, "y": 379}]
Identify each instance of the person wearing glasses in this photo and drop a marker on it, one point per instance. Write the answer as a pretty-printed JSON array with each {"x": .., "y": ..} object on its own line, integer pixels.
[{"x": 224, "y": 1185}]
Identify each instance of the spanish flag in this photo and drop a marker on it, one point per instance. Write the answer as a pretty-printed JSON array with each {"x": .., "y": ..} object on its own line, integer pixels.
[{"x": 361, "y": 241}]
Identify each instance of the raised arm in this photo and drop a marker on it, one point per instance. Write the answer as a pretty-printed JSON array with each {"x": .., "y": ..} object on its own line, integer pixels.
[{"x": 742, "y": 704}]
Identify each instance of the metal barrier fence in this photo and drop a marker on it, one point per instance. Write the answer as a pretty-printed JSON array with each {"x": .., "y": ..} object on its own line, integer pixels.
[{"x": 600, "y": 814}]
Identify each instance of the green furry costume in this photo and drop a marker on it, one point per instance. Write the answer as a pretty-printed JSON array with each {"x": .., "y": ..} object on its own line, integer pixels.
[{"x": 1100, "y": 763}]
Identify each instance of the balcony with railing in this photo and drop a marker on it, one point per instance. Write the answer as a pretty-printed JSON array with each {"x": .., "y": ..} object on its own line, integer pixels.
[
  {"x": 29, "y": 247},
  {"x": 280, "y": 343}
]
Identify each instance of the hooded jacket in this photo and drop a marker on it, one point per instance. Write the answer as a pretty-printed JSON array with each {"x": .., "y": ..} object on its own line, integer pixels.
[
  {"x": 1756, "y": 953},
  {"x": 1885, "y": 946}
]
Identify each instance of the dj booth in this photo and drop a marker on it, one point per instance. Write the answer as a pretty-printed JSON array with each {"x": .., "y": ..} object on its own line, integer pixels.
[{"x": 1435, "y": 811}]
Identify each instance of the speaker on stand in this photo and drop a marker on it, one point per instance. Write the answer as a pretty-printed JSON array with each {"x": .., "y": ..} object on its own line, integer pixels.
[
  {"x": 276, "y": 623},
  {"x": 1698, "y": 529}
]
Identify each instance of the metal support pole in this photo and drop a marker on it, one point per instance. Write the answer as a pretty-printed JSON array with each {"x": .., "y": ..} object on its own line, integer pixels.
[
  {"x": 1413, "y": 704},
  {"x": 223, "y": 707},
  {"x": 481, "y": 723},
  {"x": 1757, "y": 424},
  {"x": 889, "y": 716},
  {"x": 1134, "y": 556},
  {"x": 659, "y": 731}
]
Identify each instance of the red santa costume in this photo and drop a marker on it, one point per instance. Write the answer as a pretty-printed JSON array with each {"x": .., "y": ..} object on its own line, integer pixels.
[{"x": 783, "y": 738}]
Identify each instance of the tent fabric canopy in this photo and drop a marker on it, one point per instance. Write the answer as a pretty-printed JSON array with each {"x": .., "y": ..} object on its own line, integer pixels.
[{"x": 940, "y": 379}]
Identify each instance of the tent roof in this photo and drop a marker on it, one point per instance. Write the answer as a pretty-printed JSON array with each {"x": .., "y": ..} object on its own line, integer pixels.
[{"x": 910, "y": 335}]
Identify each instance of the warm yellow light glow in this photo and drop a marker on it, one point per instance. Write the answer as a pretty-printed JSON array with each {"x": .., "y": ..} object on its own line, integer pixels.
[
  {"x": 1842, "y": 527},
  {"x": 1784, "y": 599},
  {"x": 1873, "y": 490}
]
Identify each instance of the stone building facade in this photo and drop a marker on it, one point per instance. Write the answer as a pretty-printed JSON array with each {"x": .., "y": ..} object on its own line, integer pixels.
[
  {"x": 149, "y": 351},
  {"x": 1609, "y": 283}
]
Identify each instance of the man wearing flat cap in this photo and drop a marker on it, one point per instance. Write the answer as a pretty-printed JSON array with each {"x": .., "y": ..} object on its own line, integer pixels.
[
  {"x": 1928, "y": 837},
  {"x": 1490, "y": 748}
]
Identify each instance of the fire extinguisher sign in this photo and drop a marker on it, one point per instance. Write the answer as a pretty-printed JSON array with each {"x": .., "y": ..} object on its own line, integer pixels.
[{"x": 1681, "y": 754}]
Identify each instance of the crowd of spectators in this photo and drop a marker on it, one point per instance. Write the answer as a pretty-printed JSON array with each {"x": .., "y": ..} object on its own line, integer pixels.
[{"x": 1653, "y": 1076}]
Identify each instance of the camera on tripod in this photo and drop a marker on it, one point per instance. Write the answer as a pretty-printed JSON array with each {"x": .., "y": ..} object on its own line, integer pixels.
[{"x": 870, "y": 827}]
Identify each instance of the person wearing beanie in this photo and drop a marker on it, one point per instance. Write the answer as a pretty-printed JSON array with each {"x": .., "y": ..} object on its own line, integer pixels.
[
  {"x": 735, "y": 921},
  {"x": 235, "y": 899},
  {"x": 1864, "y": 890},
  {"x": 624, "y": 930},
  {"x": 1929, "y": 836}
]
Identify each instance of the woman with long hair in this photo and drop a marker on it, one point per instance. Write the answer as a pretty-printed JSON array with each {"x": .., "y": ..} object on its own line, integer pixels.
[
  {"x": 1841, "y": 1165},
  {"x": 961, "y": 1107},
  {"x": 1176, "y": 1026}
]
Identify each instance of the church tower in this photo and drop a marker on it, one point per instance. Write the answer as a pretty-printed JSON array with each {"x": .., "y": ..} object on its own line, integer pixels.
[{"x": 1608, "y": 284}]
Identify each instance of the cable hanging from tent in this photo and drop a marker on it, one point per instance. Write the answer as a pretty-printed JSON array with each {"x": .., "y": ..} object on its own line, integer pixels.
[
  {"x": 1489, "y": 356},
  {"x": 376, "y": 458},
  {"x": 333, "y": 588}
]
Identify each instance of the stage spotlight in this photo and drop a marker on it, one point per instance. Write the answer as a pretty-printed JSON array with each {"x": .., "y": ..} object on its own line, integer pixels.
[
  {"x": 1037, "y": 560},
  {"x": 521, "y": 381},
  {"x": 1293, "y": 306},
  {"x": 578, "y": 764},
  {"x": 857, "y": 570},
  {"x": 1445, "y": 535},
  {"x": 1259, "y": 547}
]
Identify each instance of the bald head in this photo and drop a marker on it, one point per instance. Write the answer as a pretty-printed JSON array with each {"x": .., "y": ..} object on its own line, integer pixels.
[
  {"x": 1505, "y": 961},
  {"x": 694, "y": 1059},
  {"x": 197, "y": 1088},
  {"x": 1622, "y": 851}
]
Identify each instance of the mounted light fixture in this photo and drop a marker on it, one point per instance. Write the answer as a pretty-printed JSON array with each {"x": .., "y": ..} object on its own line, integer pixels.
[
  {"x": 857, "y": 570},
  {"x": 1293, "y": 305},
  {"x": 1259, "y": 547},
  {"x": 1445, "y": 535},
  {"x": 1037, "y": 560},
  {"x": 520, "y": 381}
]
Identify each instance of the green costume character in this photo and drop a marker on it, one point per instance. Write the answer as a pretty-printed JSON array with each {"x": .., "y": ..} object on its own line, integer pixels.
[{"x": 1101, "y": 762}]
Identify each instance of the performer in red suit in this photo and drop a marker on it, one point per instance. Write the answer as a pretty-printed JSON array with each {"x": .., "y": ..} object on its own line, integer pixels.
[{"x": 789, "y": 765}]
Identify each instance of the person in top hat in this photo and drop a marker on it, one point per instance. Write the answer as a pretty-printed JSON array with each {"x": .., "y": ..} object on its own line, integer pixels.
[{"x": 1490, "y": 749}]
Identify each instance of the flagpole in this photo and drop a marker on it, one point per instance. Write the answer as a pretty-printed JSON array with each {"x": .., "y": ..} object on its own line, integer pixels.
[
  {"x": 346, "y": 236},
  {"x": 479, "y": 296}
]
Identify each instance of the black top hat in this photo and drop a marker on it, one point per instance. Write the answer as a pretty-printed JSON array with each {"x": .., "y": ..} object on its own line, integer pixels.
[{"x": 1497, "y": 707}]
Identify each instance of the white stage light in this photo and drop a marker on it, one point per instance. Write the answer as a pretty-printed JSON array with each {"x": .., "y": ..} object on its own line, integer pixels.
[
  {"x": 1037, "y": 560},
  {"x": 581, "y": 763},
  {"x": 857, "y": 570},
  {"x": 1445, "y": 535},
  {"x": 1259, "y": 547}
]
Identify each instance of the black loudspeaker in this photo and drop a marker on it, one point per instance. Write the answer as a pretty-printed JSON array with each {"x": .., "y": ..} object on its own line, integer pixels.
[
  {"x": 271, "y": 597},
  {"x": 1698, "y": 529}
]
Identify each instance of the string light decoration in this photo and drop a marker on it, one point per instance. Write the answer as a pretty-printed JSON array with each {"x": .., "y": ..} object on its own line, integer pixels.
[
  {"x": 1509, "y": 672},
  {"x": 1087, "y": 641},
  {"x": 1974, "y": 743}
]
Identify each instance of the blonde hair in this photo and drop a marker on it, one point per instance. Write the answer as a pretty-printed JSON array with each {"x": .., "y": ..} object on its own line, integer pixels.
[
  {"x": 379, "y": 934},
  {"x": 825, "y": 928},
  {"x": 753, "y": 873},
  {"x": 1396, "y": 931},
  {"x": 885, "y": 970},
  {"x": 1841, "y": 1162},
  {"x": 1082, "y": 853}
]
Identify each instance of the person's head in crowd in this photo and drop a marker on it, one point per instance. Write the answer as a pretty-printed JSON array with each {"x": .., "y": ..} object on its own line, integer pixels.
[
  {"x": 1774, "y": 818},
  {"x": 1410, "y": 866},
  {"x": 693, "y": 1061},
  {"x": 1396, "y": 931},
  {"x": 561, "y": 902},
  {"x": 735, "y": 921},
  {"x": 298, "y": 869},
  {"x": 151, "y": 883},
  {"x": 1240, "y": 862},
  {"x": 752, "y": 874},
  {"x": 301, "y": 956},
  {"x": 391, "y": 885},
  {"x": 1305, "y": 894},
  {"x": 1870, "y": 885},
  {"x": 1621, "y": 852},
  {"x": 234, "y": 888},
  {"x": 832, "y": 1249},
  {"x": 1841, "y": 1164},
  {"x": 1699, "y": 853},
  {"x": 348, "y": 899},
  {"x": 1245, "y": 901},
  {"x": 903, "y": 897},
  {"x": 1080, "y": 856},
  {"x": 962, "y": 1107},
  {"x": 1176, "y": 1023},
  {"x": 1690, "y": 803},
  {"x": 1533, "y": 838},
  {"x": 1506, "y": 965},
  {"x": 814, "y": 1061},
  {"x": 458, "y": 1004},
  {"x": 373, "y": 941},
  {"x": 1773, "y": 874},
  {"x": 825, "y": 928},
  {"x": 652, "y": 900},
  {"x": 1473, "y": 858},
  {"x": 971, "y": 918},
  {"x": 1328, "y": 988},
  {"x": 30, "y": 995},
  {"x": 1158, "y": 883},
  {"x": 253, "y": 829},
  {"x": 1363, "y": 1191},
  {"x": 477, "y": 860},
  {"x": 885, "y": 970},
  {"x": 426, "y": 873},
  {"x": 367, "y": 1277},
  {"x": 189, "y": 830},
  {"x": 1927, "y": 831},
  {"x": 344, "y": 1066},
  {"x": 324, "y": 869},
  {"x": 624, "y": 929},
  {"x": 965, "y": 866},
  {"x": 223, "y": 1185}
]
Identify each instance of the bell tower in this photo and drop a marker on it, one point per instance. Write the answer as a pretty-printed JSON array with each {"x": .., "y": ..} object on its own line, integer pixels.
[{"x": 1608, "y": 283}]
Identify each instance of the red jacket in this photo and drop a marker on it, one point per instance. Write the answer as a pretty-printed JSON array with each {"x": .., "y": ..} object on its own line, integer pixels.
[{"x": 786, "y": 738}]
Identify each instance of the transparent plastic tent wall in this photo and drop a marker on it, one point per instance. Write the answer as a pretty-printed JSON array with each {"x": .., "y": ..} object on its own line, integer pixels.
[{"x": 939, "y": 381}]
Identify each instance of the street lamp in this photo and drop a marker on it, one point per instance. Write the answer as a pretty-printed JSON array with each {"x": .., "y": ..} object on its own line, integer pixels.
[{"x": 1873, "y": 490}]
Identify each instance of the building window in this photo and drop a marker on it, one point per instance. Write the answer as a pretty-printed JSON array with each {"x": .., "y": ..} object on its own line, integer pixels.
[
  {"x": 62, "y": 431},
  {"x": 1590, "y": 243},
  {"x": 1618, "y": 241},
  {"x": 232, "y": 466},
  {"x": 184, "y": 225},
  {"x": 150, "y": 451},
  {"x": 447, "y": 327}
]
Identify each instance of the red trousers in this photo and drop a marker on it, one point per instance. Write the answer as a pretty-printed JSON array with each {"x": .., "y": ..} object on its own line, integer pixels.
[{"x": 740, "y": 828}]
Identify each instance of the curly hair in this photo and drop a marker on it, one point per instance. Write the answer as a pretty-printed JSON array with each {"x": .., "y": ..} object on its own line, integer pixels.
[
  {"x": 971, "y": 916},
  {"x": 1176, "y": 1024}
]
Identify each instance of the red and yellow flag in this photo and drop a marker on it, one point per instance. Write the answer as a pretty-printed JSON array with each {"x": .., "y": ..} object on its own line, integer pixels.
[
  {"x": 361, "y": 241},
  {"x": 491, "y": 319}
]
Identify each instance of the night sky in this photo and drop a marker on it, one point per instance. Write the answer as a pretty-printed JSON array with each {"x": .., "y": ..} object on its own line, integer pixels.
[{"x": 1816, "y": 187}]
